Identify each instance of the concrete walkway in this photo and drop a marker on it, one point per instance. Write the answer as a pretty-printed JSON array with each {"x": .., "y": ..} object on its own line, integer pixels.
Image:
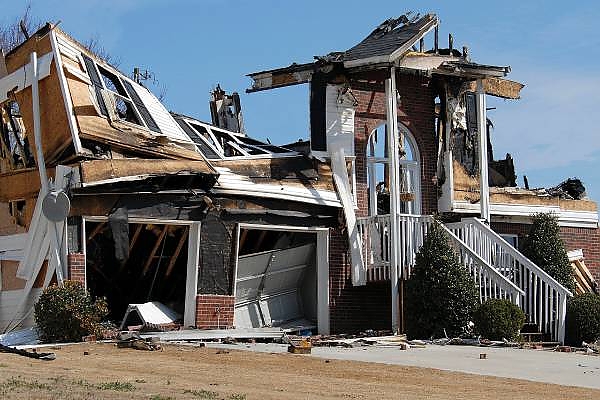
[{"x": 536, "y": 365}]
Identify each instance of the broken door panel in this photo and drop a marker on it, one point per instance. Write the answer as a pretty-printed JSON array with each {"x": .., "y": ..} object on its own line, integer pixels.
[{"x": 271, "y": 287}]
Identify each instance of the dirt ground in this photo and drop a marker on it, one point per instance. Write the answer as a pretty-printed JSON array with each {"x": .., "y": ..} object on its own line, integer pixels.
[{"x": 184, "y": 372}]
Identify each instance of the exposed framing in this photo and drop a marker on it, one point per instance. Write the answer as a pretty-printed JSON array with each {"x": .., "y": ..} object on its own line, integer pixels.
[
  {"x": 191, "y": 278},
  {"x": 322, "y": 261}
]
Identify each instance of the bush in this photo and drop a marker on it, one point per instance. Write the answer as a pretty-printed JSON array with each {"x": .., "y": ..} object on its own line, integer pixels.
[
  {"x": 497, "y": 319},
  {"x": 68, "y": 312},
  {"x": 583, "y": 319},
  {"x": 546, "y": 249},
  {"x": 440, "y": 293}
]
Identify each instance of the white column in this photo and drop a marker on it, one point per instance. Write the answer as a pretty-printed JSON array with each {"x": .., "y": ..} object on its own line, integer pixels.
[
  {"x": 323, "y": 282},
  {"x": 191, "y": 280},
  {"x": 392, "y": 124},
  {"x": 484, "y": 189}
]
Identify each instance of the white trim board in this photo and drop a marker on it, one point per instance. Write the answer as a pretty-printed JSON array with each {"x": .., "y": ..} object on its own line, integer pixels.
[
  {"x": 518, "y": 213},
  {"x": 22, "y": 78}
]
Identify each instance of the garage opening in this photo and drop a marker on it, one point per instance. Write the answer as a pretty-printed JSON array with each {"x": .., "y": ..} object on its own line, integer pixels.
[
  {"x": 136, "y": 264},
  {"x": 276, "y": 282}
]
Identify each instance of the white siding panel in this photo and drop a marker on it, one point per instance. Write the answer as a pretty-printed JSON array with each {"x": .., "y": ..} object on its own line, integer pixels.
[
  {"x": 339, "y": 120},
  {"x": 9, "y": 301},
  {"x": 161, "y": 116}
]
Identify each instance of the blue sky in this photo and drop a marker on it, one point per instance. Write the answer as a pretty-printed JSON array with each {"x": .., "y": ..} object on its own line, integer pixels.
[{"x": 190, "y": 46}]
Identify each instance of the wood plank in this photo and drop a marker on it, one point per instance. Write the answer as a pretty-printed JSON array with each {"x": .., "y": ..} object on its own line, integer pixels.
[
  {"x": 101, "y": 226},
  {"x": 175, "y": 256},
  {"x": 20, "y": 184},
  {"x": 161, "y": 237},
  {"x": 499, "y": 87},
  {"x": 103, "y": 170}
]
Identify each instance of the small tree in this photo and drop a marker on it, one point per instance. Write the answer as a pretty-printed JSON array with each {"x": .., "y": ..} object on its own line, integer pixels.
[
  {"x": 546, "y": 249},
  {"x": 440, "y": 293},
  {"x": 68, "y": 312}
]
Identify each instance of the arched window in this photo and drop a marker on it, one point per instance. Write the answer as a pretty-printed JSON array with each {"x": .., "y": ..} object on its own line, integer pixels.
[{"x": 378, "y": 173}]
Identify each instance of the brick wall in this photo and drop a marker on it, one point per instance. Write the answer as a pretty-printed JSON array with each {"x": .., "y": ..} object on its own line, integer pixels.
[
  {"x": 76, "y": 264},
  {"x": 354, "y": 308},
  {"x": 214, "y": 311},
  {"x": 587, "y": 239}
]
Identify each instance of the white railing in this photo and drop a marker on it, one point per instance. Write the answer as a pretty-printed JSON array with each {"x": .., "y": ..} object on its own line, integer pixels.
[
  {"x": 544, "y": 300},
  {"x": 375, "y": 233},
  {"x": 376, "y": 237}
]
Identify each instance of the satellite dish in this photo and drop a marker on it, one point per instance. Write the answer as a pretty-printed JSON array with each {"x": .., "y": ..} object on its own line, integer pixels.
[{"x": 56, "y": 206}]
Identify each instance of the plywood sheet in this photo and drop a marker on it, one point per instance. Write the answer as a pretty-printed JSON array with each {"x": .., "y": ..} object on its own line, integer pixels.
[{"x": 102, "y": 170}]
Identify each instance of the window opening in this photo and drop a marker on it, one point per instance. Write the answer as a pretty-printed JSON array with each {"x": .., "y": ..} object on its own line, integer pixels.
[
  {"x": 127, "y": 103},
  {"x": 378, "y": 177},
  {"x": 202, "y": 145},
  {"x": 14, "y": 144},
  {"x": 17, "y": 210}
]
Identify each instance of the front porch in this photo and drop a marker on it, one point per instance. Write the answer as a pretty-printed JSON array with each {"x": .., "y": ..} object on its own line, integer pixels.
[{"x": 499, "y": 270}]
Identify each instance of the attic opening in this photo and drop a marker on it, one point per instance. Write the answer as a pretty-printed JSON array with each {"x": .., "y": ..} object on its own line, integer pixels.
[
  {"x": 137, "y": 263},
  {"x": 280, "y": 281}
]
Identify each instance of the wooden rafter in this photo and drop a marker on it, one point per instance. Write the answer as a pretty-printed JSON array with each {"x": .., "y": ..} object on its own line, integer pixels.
[
  {"x": 161, "y": 237},
  {"x": 96, "y": 231},
  {"x": 175, "y": 256}
]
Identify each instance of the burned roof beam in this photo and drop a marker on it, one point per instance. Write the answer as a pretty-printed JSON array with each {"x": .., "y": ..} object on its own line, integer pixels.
[
  {"x": 499, "y": 87},
  {"x": 281, "y": 77}
]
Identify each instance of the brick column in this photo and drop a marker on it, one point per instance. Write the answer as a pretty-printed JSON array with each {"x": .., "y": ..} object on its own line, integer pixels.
[
  {"x": 214, "y": 311},
  {"x": 76, "y": 264}
]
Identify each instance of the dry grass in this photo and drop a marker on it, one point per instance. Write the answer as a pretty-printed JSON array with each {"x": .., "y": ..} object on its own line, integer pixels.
[{"x": 181, "y": 372}]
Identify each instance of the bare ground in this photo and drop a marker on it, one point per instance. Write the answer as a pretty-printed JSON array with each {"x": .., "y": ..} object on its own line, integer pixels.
[{"x": 183, "y": 372}]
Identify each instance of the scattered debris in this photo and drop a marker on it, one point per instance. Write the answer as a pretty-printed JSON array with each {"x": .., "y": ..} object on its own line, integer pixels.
[
  {"x": 151, "y": 316},
  {"x": 584, "y": 281},
  {"x": 571, "y": 189},
  {"x": 592, "y": 347},
  {"x": 135, "y": 341},
  {"x": 28, "y": 336},
  {"x": 25, "y": 353},
  {"x": 301, "y": 346}
]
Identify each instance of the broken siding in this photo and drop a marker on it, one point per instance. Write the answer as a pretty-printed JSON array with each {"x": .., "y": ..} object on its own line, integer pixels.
[
  {"x": 9, "y": 301},
  {"x": 171, "y": 142},
  {"x": 339, "y": 119},
  {"x": 54, "y": 120},
  {"x": 159, "y": 113}
]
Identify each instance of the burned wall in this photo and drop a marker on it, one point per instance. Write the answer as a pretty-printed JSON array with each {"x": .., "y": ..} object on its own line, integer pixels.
[{"x": 217, "y": 256}]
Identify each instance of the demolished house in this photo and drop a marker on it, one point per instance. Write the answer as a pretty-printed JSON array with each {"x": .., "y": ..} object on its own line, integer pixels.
[{"x": 100, "y": 183}]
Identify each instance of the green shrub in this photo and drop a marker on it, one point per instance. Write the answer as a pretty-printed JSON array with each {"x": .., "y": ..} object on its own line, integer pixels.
[
  {"x": 583, "y": 319},
  {"x": 440, "y": 293},
  {"x": 68, "y": 312},
  {"x": 546, "y": 249},
  {"x": 497, "y": 319}
]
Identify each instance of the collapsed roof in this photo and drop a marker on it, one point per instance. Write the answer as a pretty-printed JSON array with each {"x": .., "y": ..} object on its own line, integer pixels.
[{"x": 394, "y": 43}]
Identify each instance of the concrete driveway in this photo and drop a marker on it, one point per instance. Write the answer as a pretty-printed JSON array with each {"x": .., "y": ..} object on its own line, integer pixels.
[{"x": 569, "y": 369}]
